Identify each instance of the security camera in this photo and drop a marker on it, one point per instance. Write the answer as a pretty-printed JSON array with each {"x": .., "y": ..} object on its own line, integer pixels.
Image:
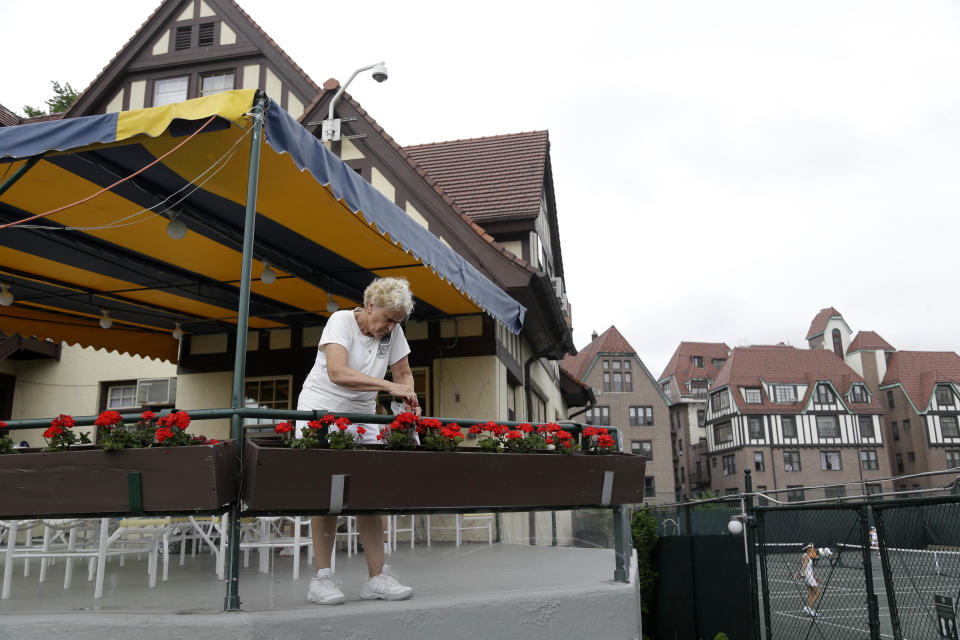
[{"x": 380, "y": 72}]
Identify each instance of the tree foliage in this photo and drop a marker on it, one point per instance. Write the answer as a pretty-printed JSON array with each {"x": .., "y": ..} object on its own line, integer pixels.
[
  {"x": 63, "y": 96},
  {"x": 643, "y": 527}
]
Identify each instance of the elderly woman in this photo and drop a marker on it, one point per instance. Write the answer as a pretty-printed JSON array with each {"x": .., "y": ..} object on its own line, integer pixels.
[{"x": 355, "y": 349}]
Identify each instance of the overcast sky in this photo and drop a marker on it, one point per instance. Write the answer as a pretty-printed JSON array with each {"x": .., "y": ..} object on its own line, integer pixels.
[{"x": 723, "y": 169}]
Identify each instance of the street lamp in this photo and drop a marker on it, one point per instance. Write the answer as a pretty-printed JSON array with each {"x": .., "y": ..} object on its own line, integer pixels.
[{"x": 330, "y": 131}]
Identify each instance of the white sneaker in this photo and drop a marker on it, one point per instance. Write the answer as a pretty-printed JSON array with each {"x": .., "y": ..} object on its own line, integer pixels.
[
  {"x": 385, "y": 587},
  {"x": 325, "y": 588}
]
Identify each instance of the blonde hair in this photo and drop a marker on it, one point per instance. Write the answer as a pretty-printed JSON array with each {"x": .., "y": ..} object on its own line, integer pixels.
[{"x": 389, "y": 293}]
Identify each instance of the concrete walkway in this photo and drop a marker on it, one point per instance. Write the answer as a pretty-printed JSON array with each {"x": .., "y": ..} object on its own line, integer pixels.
[{"x": 474, "y": 591}]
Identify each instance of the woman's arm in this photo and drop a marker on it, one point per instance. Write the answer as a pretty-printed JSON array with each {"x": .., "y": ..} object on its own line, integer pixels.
[
  {"x": 341, "y": 374},
  {"x": 401, "y": 373}
]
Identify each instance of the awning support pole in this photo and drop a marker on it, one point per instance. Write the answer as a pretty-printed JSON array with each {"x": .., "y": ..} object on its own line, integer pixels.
[
  {"x": 232, "y": 599},
  {"x": 19, "y": 174}
]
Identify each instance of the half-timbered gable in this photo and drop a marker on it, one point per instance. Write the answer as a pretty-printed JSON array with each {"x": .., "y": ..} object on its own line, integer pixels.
[
  {"x": 927, "y": 384},
  {"x": 193, "y": 48}
]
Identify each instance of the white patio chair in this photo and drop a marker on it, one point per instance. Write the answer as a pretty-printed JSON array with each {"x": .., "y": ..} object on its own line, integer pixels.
[
  {"x": 394, "y": 525},
  {"x": 265, "y": 534},
  {"x": 485, "y": 521}
]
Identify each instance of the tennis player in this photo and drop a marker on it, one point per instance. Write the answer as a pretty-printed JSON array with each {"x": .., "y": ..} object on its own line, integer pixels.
[{"x": 810, "y": 580}]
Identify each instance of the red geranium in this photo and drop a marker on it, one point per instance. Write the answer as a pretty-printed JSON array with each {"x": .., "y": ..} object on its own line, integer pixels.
[
  {"x": 164, "y": 434},
  {"x": 52, "y": 432},
  {"x": 107, "y": 419},
  {"x": 283, "y": 427},
  {"x": 148, "y": 416}
]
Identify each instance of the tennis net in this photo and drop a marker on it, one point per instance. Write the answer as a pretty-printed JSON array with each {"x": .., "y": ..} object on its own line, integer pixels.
[{"x": 921, "y": 562}]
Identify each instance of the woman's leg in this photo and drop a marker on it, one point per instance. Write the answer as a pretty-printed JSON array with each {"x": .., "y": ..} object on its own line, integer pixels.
[
  {"x": 371, "y": 537},
  {"x": 324, "y": 535}
]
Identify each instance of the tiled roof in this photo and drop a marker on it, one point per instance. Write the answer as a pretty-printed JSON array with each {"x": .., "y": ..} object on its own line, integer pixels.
[
  {"x": 748, "y": 366},
  {"x": 494, "y": 178},
  {"x": 919, "y": 372},
  {"x": 681, "y": 365},
  {"x": 43, "y": 118},
  {"x": 869, "y": 341},
  {"x": 819, "y": 323},
  {"x": 610, "y": 341},
  {"x": 8, "y": 118}
]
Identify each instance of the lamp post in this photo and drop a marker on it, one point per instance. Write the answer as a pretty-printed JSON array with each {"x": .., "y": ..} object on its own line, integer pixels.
[{"x": 330, "y": 131}]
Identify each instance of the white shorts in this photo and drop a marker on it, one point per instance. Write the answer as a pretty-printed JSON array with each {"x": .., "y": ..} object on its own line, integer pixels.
[{"x": 812, "y": 583}]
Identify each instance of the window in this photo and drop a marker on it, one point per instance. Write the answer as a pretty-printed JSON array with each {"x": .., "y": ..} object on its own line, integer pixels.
[
  {"x": 540, "y": 409},
  {"x": 906, "y": 425},
  {"x": 837, "y": 343},
  {"x": 874, "y": 489},
  {"x": 122, "y": 397},
  {"x": 755, "y": 427},
  {"x": 752, "y": 396},
  {"x": 791, "y": 461},
  {"x": 628, "y": 382},
  {"x": 794, "y": 493},
  {"x": 731, "y": 492},
  {"x": 642, "y": 448},
  {"x": 212, "y": 83},
  {"x": 205, "y": 34},
  {"x": 615, "y": 364},
  {"x": 666, "y": 389},
  {"x": 641, "y": 416},
  {"x": 170, "y": 90},
  {"x": 680, "y": 446},
  {"x": 758, "y": 461},
  {"x": 824, "y": 394},
  {"x": 868, "y": 460},
  {"x": 828, "y": 427},
  {"x": 890, "y": 403},
  {"x": 911, "y": 456},
  {"x": 683, "y": 475},
  {"x": 722, "y": 433},
  {"x": 266, "y": 393},
  {"x": 944, "y": 395},
  {"x": 606, "y": 380},
  {"x": 718, "y": 362},
  {"x": 830, "y": 461},
  {"x": 617, "y": 381},
  {"x": 698, "y": 388},
  {"x": 701, "y": 414},
  {"x": 948, "y": 427},
  {"x": 606, "y": 365},
  {"x": 858, "y": 393},
  {"x": 649, "y": 487},
  {"x": 626, "y": 365},
  {"x": 714, "y": 462},
  {"x": 789, "y": 426},
  {"x": 761, "y": 488},
  {"x": 182, "y": 38},
  {"x": 697, "y": 361},
  {"x": 720, "y": 401},
  {"x": 953, "y": 459},
  {"x": 894, "y": 430},
  {"x": 599, "y": 415},
  {"x": 512, "y": 402},
  {"x": 899, "y": 463},
  {"x": 729, "y": 465},
  {"x": 835, "y": 492},
  {"x": 866, "y": 426},
  {"x": 785, "y": 393}
]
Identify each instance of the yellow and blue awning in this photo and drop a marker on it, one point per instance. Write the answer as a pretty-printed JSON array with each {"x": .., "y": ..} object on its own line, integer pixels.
[{"x": 324, "y": 230}]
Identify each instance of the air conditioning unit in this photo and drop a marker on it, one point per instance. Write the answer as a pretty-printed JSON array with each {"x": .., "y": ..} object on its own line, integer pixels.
[
  {"x": 157, "y": 391},
  {"x": 597, "y": 392},
  {"x": 788, "y": 467}
]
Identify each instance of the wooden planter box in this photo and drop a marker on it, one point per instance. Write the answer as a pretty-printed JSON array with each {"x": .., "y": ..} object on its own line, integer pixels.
[
  {"x": 92, "y": 482},
  {"x": 280, "y": 479}
]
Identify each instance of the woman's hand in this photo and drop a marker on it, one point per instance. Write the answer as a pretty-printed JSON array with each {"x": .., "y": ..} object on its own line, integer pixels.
[{"x": 407, "y": 394}]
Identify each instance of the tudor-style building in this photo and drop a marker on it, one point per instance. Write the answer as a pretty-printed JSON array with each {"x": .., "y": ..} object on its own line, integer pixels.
[
  {"x": 796, "y": 418},
  {"x": 685, "y": 381},
  {"x": 629, "y": 398},
  {"x": 920, "y": 392}
]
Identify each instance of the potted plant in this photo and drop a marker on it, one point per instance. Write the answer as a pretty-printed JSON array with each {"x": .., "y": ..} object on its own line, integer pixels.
[
  {"x": 151, "y": 467},
  {"x": 540, "y": 468}
]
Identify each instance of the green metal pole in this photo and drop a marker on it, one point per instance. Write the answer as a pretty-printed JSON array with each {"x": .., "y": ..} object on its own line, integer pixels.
[{"x": 232, "y": 600}]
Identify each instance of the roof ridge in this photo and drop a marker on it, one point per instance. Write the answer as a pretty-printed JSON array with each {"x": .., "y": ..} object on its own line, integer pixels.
[{"x": 493, "y": 137}]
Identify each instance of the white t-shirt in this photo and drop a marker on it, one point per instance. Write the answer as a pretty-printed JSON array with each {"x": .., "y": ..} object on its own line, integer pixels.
[{"x": 364, "y": 354}]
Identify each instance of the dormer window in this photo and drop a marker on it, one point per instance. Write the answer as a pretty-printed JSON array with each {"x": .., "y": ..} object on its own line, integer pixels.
[
  {"x": 824, "y": 394},
  {"x": 859, "y": 393},
  {"x": 718, "y": 362},
  {"x": 697, "y": 361},
  {"x": 945, "y": 395},
  {"x": 753, "y": 396},
  {"x": 720, "y": 401},
  {"x": 698, "y": 388},
  {"x": 784, "y": 393}
]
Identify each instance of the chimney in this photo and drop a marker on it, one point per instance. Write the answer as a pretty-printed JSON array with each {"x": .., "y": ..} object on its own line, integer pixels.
[{"x": 593, "y": 336}]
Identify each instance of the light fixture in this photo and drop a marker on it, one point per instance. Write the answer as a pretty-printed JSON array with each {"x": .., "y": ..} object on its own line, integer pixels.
[
  {"x": 6, "y": 298},
  {"x": 330, "y": 131},
  {"x": 735, "y": 527},
  {"x": 331, "y": 303},
  {"x": 268, "y": 275},
  {"x": 177, "y": 332},
  {"x": 176, "y": 229},
  {"x": 105, "y": 320}
]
